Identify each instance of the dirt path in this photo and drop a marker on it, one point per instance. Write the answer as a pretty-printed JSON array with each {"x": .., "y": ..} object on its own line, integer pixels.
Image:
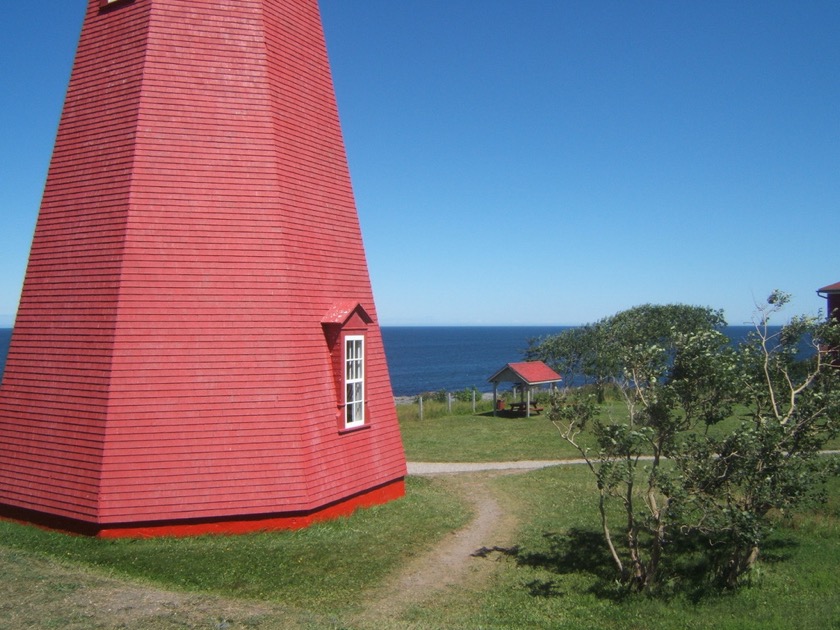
[
  {"x": 43, "y": 593},
  {"x": 451, "y": 562}
]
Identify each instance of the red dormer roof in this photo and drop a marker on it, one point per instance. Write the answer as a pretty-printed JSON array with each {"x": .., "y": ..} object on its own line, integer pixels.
[
  {"x": 527, "y": 372},
  {"x": 340, "y": 312}
]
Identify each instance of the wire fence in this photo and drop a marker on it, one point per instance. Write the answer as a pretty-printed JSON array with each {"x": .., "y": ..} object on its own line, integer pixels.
[{"x": 440, "y": 404}]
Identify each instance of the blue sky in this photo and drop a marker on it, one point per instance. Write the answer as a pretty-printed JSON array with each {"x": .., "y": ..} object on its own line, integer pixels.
[{"x": 538, "y": 161}]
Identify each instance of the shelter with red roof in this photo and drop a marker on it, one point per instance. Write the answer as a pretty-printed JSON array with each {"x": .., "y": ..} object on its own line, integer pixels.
[{"x": 526, "y": 376}]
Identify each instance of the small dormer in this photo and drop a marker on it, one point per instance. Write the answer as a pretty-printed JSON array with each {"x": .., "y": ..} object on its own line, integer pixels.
[{"x": 345, "y": 328}]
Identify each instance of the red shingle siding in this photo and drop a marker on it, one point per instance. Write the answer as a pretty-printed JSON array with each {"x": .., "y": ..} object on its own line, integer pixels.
[
  {"x": 54, "y": 402},
  {"x": 198, "y": 223}
]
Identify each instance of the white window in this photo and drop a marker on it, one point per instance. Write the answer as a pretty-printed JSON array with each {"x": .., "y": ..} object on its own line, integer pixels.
[{"x": 354, "y": 381}]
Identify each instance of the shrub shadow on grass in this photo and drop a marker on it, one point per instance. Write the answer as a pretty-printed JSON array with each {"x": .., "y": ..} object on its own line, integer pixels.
[
  {"x": 688, "y": 571},
  {"x": 778, "y": 550},
  {"x": 694, "y": 567},
  {"x": 578, "y": 551}
]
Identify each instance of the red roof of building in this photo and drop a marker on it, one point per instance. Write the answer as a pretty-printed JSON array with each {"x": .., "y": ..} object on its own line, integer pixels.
[
  {"x": 528, "y": 372},
  {"x": 831, "y": 288}
]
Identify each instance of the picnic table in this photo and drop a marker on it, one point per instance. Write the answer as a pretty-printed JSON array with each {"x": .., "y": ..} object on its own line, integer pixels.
[{"x": 522, "y": 407}]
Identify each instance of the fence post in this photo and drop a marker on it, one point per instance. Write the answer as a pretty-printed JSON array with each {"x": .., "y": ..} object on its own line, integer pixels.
[
  {"x": 473, "y": 401},
  {"x": 421, "y": 407},
  {"x": 449, "y": 403}
]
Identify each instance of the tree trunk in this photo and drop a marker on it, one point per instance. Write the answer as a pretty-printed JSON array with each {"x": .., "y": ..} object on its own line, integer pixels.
[
  {"x": 741, "y": 561},
  {"x": 652, "y": 572},
  {"x": 605, "y": 526}
]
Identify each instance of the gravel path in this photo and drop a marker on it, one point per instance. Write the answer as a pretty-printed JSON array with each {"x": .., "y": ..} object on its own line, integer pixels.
[
  {"x": 443, "y": 468},
  {"x": 440, "y": 468}
]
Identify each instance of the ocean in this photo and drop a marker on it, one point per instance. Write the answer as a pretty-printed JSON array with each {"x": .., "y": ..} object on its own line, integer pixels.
[
  {"x": 433, "y": 358},
  {"x": 5, "y": 339},
  {"x": 429, "y": 359}
]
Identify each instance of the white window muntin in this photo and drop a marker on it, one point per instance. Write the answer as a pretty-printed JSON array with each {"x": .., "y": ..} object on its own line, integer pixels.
[{"x": 354, "y": 381}]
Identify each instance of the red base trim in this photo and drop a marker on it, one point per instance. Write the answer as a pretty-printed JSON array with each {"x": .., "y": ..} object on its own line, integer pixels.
[{"x": 197, "y": 527}]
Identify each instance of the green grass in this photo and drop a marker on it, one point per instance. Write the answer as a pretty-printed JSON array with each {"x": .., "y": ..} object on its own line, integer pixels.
[
  {"x": 487, "y": 438},
  {"x": 559, "y": 577},
  {"x": 464, "y": 437},
  {"x": 483, "y": 439},
  {"x": 326, "y": 565}
]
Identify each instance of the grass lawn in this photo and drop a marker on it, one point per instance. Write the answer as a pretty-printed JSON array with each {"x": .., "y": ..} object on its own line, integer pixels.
[
  {"x": 323, "y": 567},
  {"x": 485, "y": 438},
  {"x": 557, "y": 576}
]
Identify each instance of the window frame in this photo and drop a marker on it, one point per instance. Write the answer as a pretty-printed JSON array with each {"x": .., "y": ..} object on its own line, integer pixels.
[{"x": 353, "y": 379}]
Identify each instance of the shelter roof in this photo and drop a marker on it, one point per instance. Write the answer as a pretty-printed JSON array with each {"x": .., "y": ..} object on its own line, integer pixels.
[
  {"x": 831, "y": 288},
  {"x": 527, "y": 372}
]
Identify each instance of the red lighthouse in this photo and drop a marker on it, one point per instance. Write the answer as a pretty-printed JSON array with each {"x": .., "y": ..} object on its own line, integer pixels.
[{"x": 196, "y": 347}]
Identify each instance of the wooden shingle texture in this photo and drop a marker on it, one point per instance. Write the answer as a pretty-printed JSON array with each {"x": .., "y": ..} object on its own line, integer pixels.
[{"x": 169, "y": 363}]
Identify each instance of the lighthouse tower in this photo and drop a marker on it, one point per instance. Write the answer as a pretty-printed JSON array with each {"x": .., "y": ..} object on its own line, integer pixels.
[{"x": 197, "y": 347}]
